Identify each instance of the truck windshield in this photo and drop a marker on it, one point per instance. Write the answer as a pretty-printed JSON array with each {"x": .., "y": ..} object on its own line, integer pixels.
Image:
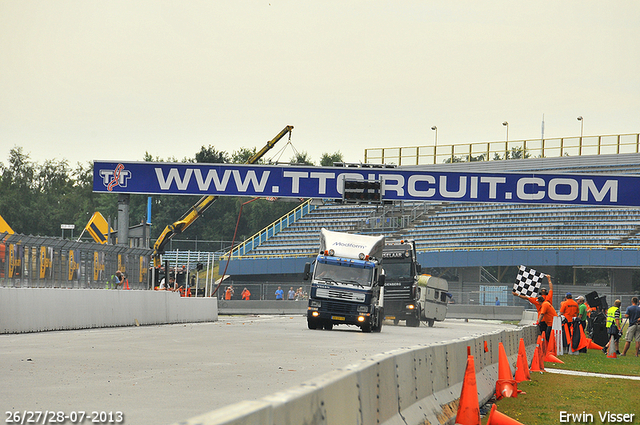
[
  {"x": 335, "y": 274},
  {"x": 397, "y": 270}
]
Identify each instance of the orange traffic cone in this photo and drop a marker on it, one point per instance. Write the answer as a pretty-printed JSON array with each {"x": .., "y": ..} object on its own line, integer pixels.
[
  {"x": 497, "y": 418},
  {"x": 522, "y": 366},
  {"x": 583, "y": 340},
  {"x": 552, "y": 359},
  {"x": 486, "y": 347},
  {"x": 551, "y": 346},
  {"x": 611, "y": 352},
  {"x": 506, "y": 386},
  {"x": 469, "y": 407},
  {"x": 535, "y": 363},
  {"x": 541, "y": 354},
  {"x": 592, "y": 345},
  {"x": 522, "y": 370}
]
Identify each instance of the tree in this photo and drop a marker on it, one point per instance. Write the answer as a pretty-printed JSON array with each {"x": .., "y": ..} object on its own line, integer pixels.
[
  {"x": 327, "y": 159},
  {"x": 211, "y": 156},
  {"x": 301, "y": 158},
  {"x": 243, "y": 155}
]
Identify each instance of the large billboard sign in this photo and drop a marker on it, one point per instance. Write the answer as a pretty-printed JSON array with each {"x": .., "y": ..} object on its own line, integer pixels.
[{"x": 396, "y": 183}]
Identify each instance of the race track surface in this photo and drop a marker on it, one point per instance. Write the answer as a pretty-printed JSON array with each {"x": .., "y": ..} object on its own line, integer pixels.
[{"x": 164, "y": 374}]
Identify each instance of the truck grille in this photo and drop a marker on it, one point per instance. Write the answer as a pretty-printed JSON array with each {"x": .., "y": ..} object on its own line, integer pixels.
[
  {"x": 339, "y": 308},
  {"x": 391, "y": 293},
  {"x": 336, "y": 294}
]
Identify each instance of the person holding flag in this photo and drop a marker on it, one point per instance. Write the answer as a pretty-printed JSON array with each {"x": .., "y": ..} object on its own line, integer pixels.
[{"x": 547, "y": 295}]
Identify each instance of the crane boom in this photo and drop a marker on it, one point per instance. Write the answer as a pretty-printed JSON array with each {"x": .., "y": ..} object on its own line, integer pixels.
[{"x": 201, "y": 206}]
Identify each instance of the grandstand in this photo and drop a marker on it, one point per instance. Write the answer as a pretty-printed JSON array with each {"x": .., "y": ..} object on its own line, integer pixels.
[{"x": 473, "y": 235}]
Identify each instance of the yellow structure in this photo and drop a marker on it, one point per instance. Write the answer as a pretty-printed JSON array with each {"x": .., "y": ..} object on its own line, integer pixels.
[{"x": 513, "y": 149}]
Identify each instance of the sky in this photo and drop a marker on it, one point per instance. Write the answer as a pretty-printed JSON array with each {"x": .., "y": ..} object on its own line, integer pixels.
[{"x": 110, "y": 80}]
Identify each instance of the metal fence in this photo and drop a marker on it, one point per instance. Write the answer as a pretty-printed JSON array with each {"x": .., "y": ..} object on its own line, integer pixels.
[
  {"x": 263, "y": 290},
  {"x": 48, "y": 262},
  {"x": 512, "y": 149}
]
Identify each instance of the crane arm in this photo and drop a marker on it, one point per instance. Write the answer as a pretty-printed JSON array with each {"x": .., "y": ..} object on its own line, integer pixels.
[{"x": 205, "y": 202}]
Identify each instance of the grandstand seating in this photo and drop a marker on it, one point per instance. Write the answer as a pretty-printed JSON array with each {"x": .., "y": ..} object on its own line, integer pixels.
[{"x": 454, "y": 225}]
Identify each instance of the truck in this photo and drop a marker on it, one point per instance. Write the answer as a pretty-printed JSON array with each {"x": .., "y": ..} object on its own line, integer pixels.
[
  {"x": 346, "y": 282},
  {"x": 401, "y": 293},
  {"x": 434, "y": 298}
]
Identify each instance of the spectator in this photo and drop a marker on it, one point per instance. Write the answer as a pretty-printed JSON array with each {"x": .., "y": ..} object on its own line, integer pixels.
[
  {"x": 613, "y": 325},
  {"x": 299, "y": 295},
  {"x": 545, "y": 316},
  {"x": 582, "y": 311},
  {"x": 228, "y": 293},
  {"x": 279, "y": 293},
  {"x": 246, "y": 295},
  {"x": 497, "y": 301},
  {"x": 633, "y": 332},
  {"x": 292, "y": 294},
  {"x": 119, "y": 278},
  {"x": 547, "y": 295}
]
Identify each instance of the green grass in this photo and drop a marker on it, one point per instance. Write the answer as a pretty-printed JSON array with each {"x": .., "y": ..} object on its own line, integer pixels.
[{"x": 548, "y": 394}]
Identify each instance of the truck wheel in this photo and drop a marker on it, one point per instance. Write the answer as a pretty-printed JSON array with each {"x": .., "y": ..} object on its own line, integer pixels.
[
  {"x": 328, "y": 326},
  {"x": 413, "y": 321},
  {"x": 378, "y": 325},
  {"x": 312, "y": 323}
]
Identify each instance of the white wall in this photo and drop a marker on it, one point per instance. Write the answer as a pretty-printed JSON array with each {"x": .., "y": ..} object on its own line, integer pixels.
[{"x": 48, "y": 309}]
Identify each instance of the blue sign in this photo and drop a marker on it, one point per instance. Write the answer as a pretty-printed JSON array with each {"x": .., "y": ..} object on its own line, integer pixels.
[{"x": 396, "y": 184}]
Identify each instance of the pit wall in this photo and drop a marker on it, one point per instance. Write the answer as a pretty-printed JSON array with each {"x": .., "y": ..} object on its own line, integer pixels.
[
  {"x": 48, "y": 309},
  {"x": 419, "y": 385}
]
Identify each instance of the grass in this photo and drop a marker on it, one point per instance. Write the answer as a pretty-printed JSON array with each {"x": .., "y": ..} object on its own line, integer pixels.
[{"x": 548, "y": 394}]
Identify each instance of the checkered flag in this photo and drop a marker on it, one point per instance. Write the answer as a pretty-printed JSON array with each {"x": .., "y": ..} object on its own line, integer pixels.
[{"x": 528, "y": 282}]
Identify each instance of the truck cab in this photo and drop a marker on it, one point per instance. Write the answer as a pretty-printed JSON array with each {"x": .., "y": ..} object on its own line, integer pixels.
[
  {"x": 401, "y": 292},
  {"x": 346, "y": 282}
]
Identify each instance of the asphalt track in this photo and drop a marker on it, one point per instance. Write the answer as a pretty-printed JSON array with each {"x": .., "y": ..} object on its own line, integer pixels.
[{"x": 164, "y": 374}]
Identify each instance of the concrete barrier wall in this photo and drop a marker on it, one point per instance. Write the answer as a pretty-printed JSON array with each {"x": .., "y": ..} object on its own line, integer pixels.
[
  {"x": 408, "y": 386},
  {"x": 455, "y": 311},
  {"x": 48, "y": 309},
  {"x": 262, "y": 307}
]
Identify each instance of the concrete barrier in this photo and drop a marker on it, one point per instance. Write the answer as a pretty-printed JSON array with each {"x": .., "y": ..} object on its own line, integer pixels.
[
  {"x": 408, "y": 386},
  {"x": 49, "y": 309},
  {"x": 484, "y": 312},
  {"x": 262, "y": 307},
  {"x": 455, "y": 311}
]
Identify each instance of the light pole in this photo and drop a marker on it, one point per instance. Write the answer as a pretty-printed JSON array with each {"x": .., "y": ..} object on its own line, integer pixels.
[
  {"x": 435, "y": 144},
  {"x": 581, "y": 125},
  {"x": 506, "y": 124}
]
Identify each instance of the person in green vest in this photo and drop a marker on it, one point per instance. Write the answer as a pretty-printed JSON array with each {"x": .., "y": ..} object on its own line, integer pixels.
[
  {"x": 114, "y": 280},
  {"x": 613, "y": 325}
]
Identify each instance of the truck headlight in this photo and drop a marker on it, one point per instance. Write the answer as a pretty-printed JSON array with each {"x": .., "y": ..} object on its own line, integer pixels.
[
  {"x": 363, "y": 309},
  {"x": 314, "y": 303},
  {"x": 410, "y": 306}
]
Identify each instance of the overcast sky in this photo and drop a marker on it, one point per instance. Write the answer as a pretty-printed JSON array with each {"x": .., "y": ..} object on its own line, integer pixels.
[{"x": 110, "y": 80}]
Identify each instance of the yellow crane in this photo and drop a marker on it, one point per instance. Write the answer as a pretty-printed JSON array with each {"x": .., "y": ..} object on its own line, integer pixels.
[{"x": 205, "y": 202}]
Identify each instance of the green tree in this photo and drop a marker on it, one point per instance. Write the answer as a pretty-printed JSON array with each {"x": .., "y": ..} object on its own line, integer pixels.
[
  {"x": 327, "y": 160},
  {"x": 301, "y": 158}
]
